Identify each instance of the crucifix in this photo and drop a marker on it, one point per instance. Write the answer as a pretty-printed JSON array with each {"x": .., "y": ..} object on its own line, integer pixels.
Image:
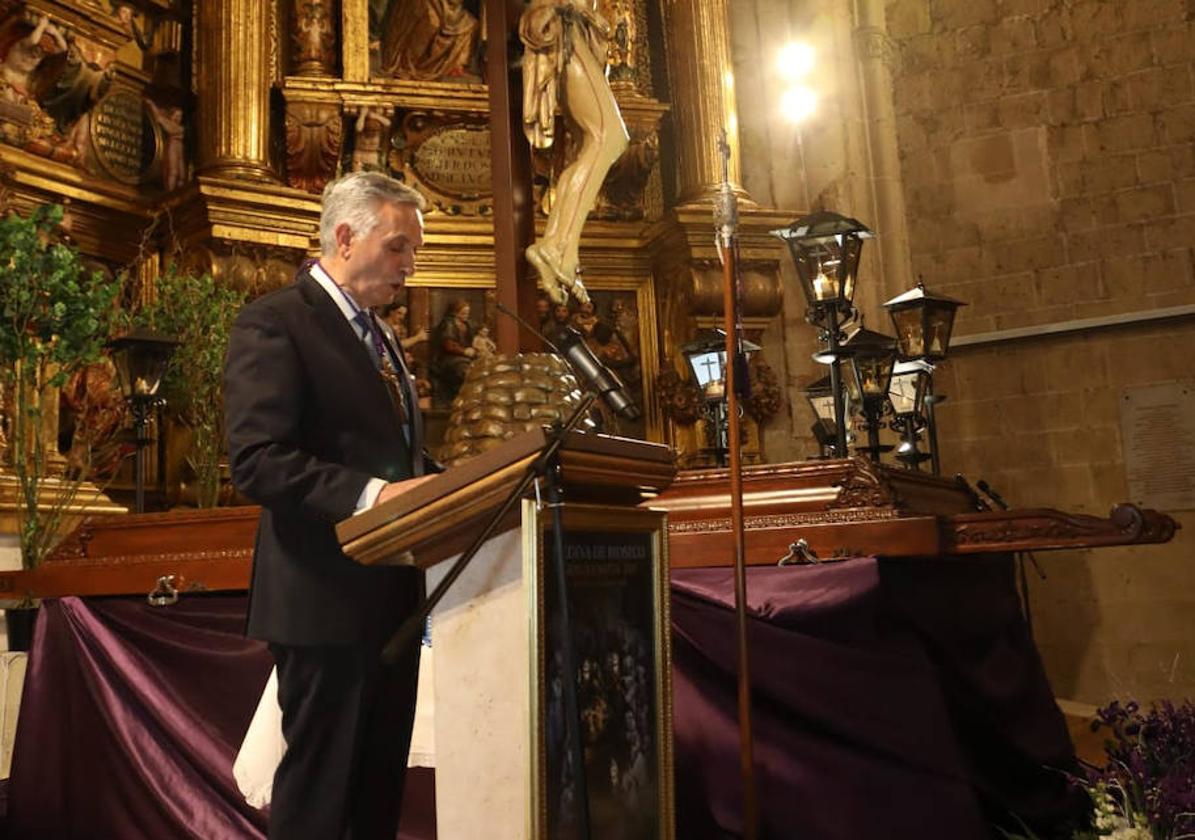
[{"x": 563, "y": 69}]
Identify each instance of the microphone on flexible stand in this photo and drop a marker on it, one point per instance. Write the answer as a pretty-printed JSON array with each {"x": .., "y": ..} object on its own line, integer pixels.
[
  {"x": 599, "y": 377},
  {"x": 571, "y": 345}
]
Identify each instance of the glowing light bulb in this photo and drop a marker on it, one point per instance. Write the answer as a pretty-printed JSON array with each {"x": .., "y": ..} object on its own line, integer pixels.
[
  {"x": 795, "y": 60},
  {"x": 798, "y": 103}
]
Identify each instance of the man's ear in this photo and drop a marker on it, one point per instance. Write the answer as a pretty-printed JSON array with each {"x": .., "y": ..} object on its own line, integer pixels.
[{"x": 344, "y": 239}]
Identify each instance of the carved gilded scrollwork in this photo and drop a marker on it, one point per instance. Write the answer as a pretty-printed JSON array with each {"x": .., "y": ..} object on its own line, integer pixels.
[
  {"x": 865, "y": 486},
  {"x": 623, "y": 193},
  {"x": 447, "y": 158},
  {"x": 313, "y": 135},
  {"x": 1045, "y": 527},
  {"x": 767, "y": 398},
  {"x": 256, "y": 269},
  {"x": 629, "y": 59},
  {"x": 680, "y": 399},
  {"x": 313, "y": 37}
]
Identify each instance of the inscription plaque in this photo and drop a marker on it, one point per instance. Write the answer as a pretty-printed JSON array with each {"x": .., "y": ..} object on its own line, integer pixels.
[
  {"x": 455, "y": 162},
  {"x": 1158, "y": 431},
  {"x": 118, "y": 136}
]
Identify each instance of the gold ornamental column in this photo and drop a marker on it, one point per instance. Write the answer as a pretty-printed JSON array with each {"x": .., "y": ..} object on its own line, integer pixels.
[
  {"x": 703, "y": 101},
  {"x": 233, "y": 81}
]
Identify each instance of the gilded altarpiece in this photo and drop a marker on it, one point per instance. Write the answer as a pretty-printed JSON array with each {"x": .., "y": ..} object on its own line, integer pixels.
[{"x": 203, "y": 133}]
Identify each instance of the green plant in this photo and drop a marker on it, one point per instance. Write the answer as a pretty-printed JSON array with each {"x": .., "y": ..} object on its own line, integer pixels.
[
  {"x": 198, "y": 312},
  {"x": 56, "y": 317}
]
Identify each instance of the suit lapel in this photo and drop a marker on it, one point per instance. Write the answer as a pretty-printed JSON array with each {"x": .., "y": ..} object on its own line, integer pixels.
[{"x": 344, "y": 339}]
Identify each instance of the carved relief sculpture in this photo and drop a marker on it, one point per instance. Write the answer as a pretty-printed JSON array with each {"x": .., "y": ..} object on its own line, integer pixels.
[
  {"x": 313, "y": 134},
  {"x": 622, "y": 42},
  {"x": 427, "y": 40},
  {"x": 564, "y": 69},
  {"x": 369, "y": 140},
  {"x": 313, "y": 38},
  {"x": 170, "y": 121},
  {"x": 622, "y": 197},
  {"x": 32, "y": 57}
]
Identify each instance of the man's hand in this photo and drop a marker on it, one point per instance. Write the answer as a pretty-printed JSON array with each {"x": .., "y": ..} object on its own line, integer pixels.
[{"x": 397, "y": 488}]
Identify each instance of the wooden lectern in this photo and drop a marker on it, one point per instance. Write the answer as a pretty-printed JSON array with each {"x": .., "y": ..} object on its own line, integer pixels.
[{"x": 499, "y": 732}]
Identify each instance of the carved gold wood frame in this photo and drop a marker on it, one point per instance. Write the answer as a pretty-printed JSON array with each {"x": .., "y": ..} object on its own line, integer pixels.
[
  {"x": 649, "y": 355},
  {"x": 537, "y": 524}
]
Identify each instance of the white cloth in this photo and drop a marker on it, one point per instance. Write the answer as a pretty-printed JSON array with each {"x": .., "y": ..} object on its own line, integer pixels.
[{"x": 263, "y": 746}]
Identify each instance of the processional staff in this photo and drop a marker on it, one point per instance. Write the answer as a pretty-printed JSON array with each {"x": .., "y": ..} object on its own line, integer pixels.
[{"x": 726, "y": 219}]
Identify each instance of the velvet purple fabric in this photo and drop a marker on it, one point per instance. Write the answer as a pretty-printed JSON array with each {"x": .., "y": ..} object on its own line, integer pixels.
[
  {"x": 132, "y": 717},
  {"x": 890, "y": 700}
]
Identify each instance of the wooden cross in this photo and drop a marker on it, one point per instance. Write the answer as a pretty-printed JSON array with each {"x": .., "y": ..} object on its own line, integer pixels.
[{"x": 510, "y": 159}]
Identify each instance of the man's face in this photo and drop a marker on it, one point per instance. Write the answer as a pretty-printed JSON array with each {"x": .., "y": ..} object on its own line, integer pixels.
[{"x": 378, "y": 264}]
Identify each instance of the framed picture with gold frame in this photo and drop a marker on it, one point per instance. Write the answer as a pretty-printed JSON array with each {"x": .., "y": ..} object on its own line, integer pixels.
[
  {"x": 616, "y": 568},
  {"x": 619, "y": 325}
]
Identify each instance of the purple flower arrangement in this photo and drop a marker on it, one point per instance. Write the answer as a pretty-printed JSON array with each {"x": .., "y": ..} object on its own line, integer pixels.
[{"x": 1150, "y": 773}]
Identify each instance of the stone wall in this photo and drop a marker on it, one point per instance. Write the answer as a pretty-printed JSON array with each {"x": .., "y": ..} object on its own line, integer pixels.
[
  {"x": 1049, "y": 173},
  {"x": 1047, "y": 154}
]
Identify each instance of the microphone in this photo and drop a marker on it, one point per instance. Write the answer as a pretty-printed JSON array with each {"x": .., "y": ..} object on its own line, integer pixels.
[
  {"x": 992, "y": 494},
  {"x": 571, "y": 344}
]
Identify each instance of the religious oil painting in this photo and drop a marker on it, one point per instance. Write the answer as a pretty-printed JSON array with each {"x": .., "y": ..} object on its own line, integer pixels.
[
  {"x": 425, "y": 40},
  {"x": 613, "y": 579},
  {"x": 613, "y": 329},
  {"x": 443, "y": 331}
]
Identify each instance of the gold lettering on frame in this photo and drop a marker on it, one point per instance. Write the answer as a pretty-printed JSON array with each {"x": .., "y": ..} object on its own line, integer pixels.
[
  {"x": 455, "y": 162},
  {"x": 117, "y": 135}
]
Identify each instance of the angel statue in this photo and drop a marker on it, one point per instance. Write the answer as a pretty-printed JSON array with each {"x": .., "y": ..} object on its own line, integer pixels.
[{"x": 564, "y": 70}]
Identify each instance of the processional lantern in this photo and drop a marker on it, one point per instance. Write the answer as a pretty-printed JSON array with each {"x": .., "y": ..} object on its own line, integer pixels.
[
  {"x": 906, "y": 394},
  {"x": 140, "y": 358},
  {"x": 924, "y": 321},
  {"x": 826, "y": 248},
  {"x": 706, "y": 357},
  {"x": 872, "y": 357},
  {"x": 820, "y": 397}
]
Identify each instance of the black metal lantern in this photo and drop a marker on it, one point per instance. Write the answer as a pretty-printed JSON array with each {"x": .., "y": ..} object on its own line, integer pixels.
[
  {"x": 923, "y": 322},
  {"x": 706, "y": 356},
  {"x": 140, "y": 358},
  {"x": 910, "y": 381},
  {"x": 872, "y": 356},
  {"x": 826, "y": 248},
  {"x": 820, "y": 395}
]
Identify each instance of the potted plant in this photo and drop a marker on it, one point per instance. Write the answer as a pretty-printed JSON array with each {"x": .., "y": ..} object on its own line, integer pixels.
[
  {"x": 56, "y": 315},
  {"x": 198, "y": 312}
]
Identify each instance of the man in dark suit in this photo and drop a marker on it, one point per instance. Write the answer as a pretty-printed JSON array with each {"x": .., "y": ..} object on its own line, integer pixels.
[{"x": 323, "y": 422}]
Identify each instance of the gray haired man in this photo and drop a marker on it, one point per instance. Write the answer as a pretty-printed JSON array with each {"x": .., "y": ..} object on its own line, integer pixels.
[{"x": 323, "y": 422}]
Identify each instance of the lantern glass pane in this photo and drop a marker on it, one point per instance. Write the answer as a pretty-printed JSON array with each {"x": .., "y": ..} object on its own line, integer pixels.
[
  {"x": 905, "y": 392},
  {"x": 938, "y": 323},
  {"x": 823, "y": 406},
  {"x": 909, "y": 332},
  {"x": 707, "y": 368},
  {"x": 872, "y": 374},
  {"x": 140, "y": 368},
  {"x": 817, "y": 264},
  {"x": 852, "y": 248}
]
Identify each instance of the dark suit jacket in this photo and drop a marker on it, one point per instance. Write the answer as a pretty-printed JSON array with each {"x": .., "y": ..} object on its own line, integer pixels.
[{"x": 309, "y": 423}]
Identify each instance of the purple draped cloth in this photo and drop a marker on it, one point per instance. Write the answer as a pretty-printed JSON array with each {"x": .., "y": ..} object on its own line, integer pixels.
[
  {"x": 894, "y": 699},
  {"x": 131, "y": 719}
]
